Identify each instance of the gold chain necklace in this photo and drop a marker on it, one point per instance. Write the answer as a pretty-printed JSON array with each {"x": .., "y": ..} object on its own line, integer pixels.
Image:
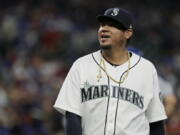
[{"x": 104, "y": 69}]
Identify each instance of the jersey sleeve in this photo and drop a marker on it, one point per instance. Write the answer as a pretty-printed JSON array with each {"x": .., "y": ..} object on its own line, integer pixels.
[
  {"x": 69, "y": 98},
  {"x": 155, "y": 111}
]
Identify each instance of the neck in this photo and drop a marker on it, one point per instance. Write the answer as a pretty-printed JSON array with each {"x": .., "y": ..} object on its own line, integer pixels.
[{"x": 116, "y": 57}]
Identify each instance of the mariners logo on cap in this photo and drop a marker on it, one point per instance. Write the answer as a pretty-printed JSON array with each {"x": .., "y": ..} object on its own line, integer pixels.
[{"x": 115, "y": 12}]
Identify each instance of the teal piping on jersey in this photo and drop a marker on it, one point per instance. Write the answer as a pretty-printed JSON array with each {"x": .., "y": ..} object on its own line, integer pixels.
[
  {"x": 118, "y": 97},
  {"x": 109, "y": 94}
]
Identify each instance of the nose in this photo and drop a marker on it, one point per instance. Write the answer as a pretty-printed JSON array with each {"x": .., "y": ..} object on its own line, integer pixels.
[{"x": 103, "y": 29}]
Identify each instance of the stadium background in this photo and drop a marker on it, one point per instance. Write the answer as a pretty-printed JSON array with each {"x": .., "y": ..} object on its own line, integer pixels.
[{"x": 39, "y": 40}]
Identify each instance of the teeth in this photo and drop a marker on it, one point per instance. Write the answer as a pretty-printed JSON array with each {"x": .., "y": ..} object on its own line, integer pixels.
[{"x": 105, "y": 36}]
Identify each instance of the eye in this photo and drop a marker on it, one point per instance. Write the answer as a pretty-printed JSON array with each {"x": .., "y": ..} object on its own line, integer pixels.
[
  {"x": 113, "y": 24},
  {"x": 110, "y": 23},
  {"x": 102, "y": 24}
]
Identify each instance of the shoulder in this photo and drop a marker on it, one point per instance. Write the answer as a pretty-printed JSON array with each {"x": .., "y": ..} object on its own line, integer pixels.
[
  {"x": 143, "y": 63},
  {"x": 87, "y": 59}
]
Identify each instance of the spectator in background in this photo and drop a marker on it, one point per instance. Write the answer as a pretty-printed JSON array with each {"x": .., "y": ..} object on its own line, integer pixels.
[
  {"x": 168, "y": 96},
  {"x": 56, "y": 30}
]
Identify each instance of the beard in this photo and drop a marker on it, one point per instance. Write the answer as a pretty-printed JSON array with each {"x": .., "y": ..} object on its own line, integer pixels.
[{"x": 106, "y": 47}]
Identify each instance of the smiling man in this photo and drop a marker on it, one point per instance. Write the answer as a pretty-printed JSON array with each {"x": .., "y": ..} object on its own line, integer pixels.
[{"x": 112, "y": 91}]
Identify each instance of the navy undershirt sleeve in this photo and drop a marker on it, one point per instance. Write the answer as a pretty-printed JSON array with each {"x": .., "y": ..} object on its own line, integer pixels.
[
  {"x": 157, "y": 128},
  {"x": 73, "y": 124}
]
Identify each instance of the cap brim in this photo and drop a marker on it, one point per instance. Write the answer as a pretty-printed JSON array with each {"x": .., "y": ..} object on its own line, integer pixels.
[{"x": 103, "y": 18}]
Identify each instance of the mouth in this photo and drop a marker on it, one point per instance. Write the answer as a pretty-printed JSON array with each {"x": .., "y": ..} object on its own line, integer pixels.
[{"x": 105, "y": 37}]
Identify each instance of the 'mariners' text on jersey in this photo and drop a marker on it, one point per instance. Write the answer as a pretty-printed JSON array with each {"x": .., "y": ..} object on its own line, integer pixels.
[{"x": 99, "y": 91}]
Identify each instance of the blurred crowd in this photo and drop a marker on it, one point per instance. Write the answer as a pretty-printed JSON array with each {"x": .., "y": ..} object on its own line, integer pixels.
[{"x": 39, "y": 40}]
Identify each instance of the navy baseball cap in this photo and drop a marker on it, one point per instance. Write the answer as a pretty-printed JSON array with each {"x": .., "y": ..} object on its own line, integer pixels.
[{"x": 118, "y": 15}]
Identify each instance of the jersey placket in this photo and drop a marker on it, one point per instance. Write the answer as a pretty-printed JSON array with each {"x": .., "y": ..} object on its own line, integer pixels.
[
  {"x": 115, "y": 72},
  {"x": 111, "y": 114}
]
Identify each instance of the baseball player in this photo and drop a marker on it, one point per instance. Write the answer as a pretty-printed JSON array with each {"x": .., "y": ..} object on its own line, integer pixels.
[{"x": 112, "y": 91}]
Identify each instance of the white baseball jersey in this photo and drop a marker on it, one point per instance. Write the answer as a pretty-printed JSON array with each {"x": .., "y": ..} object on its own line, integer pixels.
[{"x": 109, "y": 108}]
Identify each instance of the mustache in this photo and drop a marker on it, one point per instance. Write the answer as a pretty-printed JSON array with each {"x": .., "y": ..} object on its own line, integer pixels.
[{"x": 107, "y": 47}]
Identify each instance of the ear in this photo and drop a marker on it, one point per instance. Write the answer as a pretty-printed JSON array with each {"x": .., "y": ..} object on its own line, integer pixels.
[{"x": 128, "y": 33}]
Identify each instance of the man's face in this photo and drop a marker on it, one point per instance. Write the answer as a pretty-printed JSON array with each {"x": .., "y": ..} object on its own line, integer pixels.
[{"x": 110, "y": 36}]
